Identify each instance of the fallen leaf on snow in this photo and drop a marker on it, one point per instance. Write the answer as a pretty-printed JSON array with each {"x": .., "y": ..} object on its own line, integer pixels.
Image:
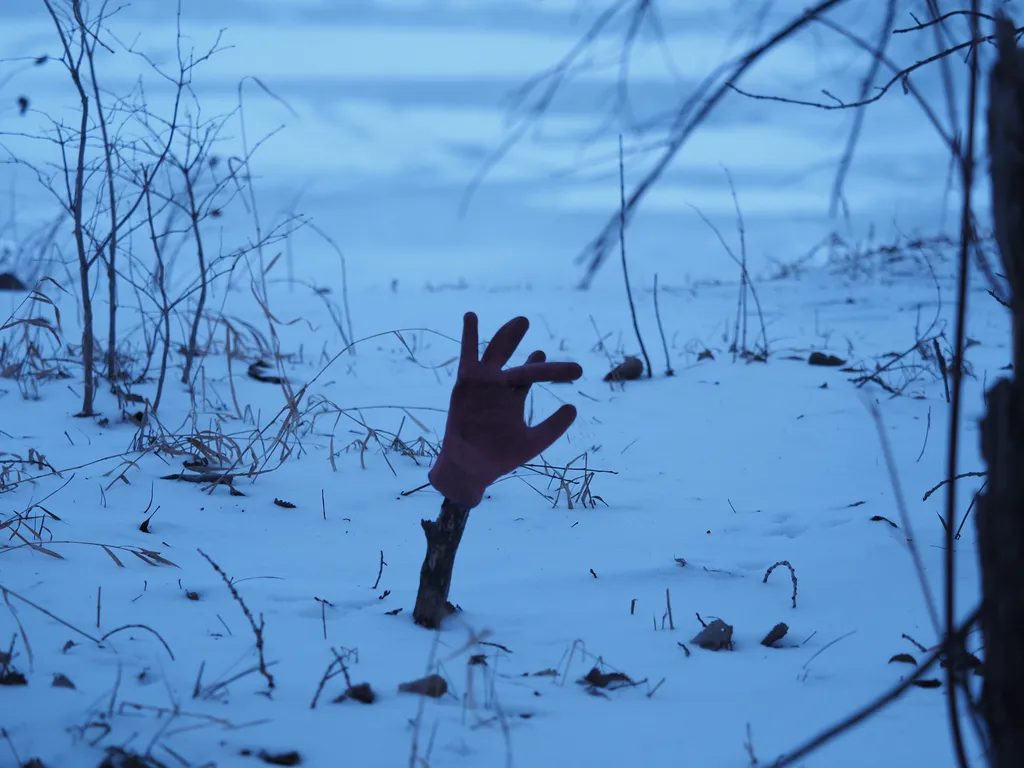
[
  {"x": 599, "y": 679},
  {"x": 433, "y": 686},
  {"x": 62, "y": 681},
  {"x": 362, "y": 693},
  {"x": 829, "y": 361},
  {"x": 777, "y": 633},
  {"x": 281, "y": 758},
  {"x": 715, "y": 636},
  {"x": 903, "y": 658},
  {"x": 628, "y": 370}
]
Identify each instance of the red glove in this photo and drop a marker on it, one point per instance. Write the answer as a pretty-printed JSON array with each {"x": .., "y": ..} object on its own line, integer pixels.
[{"x": 486, "y": 436}]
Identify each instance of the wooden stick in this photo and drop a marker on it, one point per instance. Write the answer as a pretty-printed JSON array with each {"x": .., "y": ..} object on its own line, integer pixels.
[{"x": 443, "y": 538}]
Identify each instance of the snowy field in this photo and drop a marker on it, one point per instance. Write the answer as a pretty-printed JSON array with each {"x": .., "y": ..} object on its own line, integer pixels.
[{"x": 684, "y": 489}]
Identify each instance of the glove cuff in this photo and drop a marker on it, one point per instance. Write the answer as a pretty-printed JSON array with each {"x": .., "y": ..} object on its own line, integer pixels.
[{"x": 455, "y": 484}]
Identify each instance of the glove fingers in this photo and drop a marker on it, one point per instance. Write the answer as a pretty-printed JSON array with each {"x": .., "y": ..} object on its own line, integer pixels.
[
  {"x": 503, "y": 344},
  {"x": 532, "y": 373},
  {"x": 470, "y": 339},
  {"x": 545, "y": 434},
  {"x": 535, "y": 357}
]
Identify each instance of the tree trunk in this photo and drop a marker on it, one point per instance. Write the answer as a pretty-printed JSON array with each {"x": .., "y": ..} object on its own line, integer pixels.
[
  {"x": 999, "y": 517},
  {"x": 999, "y": 522}
]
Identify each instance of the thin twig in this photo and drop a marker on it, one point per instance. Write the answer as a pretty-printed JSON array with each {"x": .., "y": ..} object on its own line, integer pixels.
[
  {"x": 901, "y": 506},
  {"x": 661, "y": 330},
  {"x": 622, "y": 249},
  {"x": 257, "y": 629},
  {"x": 801, "y": 752}
]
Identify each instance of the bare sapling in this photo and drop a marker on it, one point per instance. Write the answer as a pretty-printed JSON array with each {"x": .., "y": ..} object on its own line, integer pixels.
[
  {"x": 99, "y": 182},
  {"x": 107, "y": 152},
  {"x": 75, "y": 201},
  {"x": 160, "y": 279},
  {"x": 176, "y": 212},
  {"x": 190, "y": 170}
]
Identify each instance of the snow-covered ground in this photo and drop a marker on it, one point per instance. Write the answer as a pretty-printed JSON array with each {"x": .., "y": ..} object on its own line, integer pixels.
[{"x": 728, "y": 466}]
